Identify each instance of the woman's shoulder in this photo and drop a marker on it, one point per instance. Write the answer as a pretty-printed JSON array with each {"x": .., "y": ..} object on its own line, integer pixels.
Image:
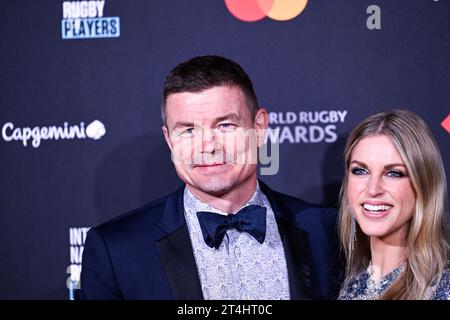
[{"x": 443, "y": 289}]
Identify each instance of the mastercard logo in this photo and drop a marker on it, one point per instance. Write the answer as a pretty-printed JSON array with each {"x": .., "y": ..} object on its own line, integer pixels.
[{"x": 254, "y": 10}]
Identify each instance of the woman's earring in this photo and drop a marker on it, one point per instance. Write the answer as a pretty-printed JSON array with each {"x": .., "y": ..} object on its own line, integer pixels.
[{"x": 352, "y": 238}]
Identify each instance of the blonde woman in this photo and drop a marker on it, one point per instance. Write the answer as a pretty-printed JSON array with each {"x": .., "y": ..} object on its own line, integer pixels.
[{"x": 393, "y": 215}]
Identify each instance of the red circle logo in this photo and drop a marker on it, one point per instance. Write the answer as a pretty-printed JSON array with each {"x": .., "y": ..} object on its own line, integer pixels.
[{"x": 254, "y": 10}]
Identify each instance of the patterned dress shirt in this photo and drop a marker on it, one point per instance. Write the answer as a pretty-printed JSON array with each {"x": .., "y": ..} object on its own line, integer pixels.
[{"x": 241, "y": 268}]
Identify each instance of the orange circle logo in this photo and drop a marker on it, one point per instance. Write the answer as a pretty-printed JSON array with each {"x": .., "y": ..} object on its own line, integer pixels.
[{"x": 254, "y": 10}]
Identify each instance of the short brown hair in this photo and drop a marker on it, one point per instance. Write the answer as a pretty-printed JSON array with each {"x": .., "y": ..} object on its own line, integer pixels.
[{"x": 205, "y": 72}]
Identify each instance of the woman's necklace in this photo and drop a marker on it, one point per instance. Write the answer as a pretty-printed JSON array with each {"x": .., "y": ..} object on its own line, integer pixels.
[{"x": 376, "y": 288}]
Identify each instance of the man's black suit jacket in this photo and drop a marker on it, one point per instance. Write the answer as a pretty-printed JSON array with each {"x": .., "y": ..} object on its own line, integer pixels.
[{"x": 147, "y": 253}]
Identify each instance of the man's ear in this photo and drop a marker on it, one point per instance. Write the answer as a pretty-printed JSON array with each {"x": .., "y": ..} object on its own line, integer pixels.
[
  {"x": 167, "y": 137},
  {"x": 261, "y": 124}
]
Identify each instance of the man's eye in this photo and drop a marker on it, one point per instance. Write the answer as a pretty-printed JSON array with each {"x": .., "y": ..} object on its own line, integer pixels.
[
  {"x": 395, "y": 174},
  {"x": 187, "y": 132},
  {"x": 227, "y": 126},
  {"x": 358, "y": 171}
]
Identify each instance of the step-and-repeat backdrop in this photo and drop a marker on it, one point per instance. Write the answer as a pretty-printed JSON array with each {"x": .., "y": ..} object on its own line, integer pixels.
[{"x": 80, "y": 95}]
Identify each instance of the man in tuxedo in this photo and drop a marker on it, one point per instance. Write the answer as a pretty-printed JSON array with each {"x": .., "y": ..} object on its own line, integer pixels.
[{"x": 223, "y": 234}]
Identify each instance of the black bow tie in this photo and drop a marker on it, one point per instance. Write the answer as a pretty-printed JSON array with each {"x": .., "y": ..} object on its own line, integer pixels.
[{"x": 251, "y": 219}]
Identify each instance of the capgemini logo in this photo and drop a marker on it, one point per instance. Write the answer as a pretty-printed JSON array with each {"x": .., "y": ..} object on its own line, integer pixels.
[
  {"x": 254, "y": 10},
  {"x": 35, "y": 135},
  {"x": 95, "y": 130}
]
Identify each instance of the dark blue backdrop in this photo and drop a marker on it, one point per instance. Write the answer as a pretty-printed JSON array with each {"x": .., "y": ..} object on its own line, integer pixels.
[{"x": 325, "y": 59}]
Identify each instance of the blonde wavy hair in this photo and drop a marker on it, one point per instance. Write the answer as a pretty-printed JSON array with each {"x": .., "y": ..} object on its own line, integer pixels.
[{"x": 428, "y": 238}]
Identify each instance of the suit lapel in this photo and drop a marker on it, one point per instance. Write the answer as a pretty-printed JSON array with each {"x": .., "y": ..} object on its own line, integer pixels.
[
  {"x": 295, "y": 244},
  {"x": 175, "y": 251},
  {"x": 295, "y": 249}
]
